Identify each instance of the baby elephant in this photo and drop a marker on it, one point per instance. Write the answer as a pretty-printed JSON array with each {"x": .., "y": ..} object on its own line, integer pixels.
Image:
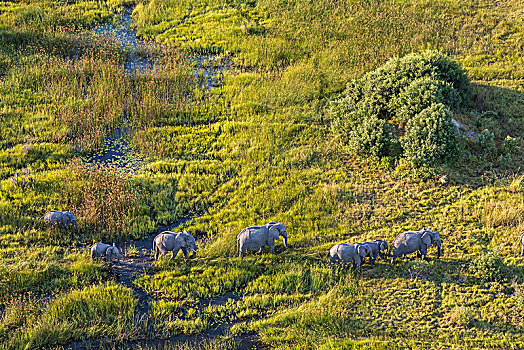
[
  {"x": 174, "y": 241},
  {"x": 101, "y": 250},
  {"x": 377, "y": 248},
  {"x": 345, "y": 253},
  {"x": 60, "y": 218}
]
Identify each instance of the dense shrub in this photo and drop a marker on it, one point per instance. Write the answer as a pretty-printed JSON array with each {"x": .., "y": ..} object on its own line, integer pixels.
[
  {"x": 486, "y": 143},
  {"x": 371, "y": 137},
  {"x": 430, "y": 137},
  {"x": 415, "y": 92},
  {"x": 489, "y": 267},
  {"x": 421, "y": 94}
]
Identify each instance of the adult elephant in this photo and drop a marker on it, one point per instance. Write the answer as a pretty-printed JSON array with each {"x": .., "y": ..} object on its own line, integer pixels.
[
  {"x": 168, "y": 241},
  {"x": 257, "y": 237},
  {"x": 60, "y": 218},
  {"x": 101, "y": 250},
  {"x": 345, "y": 253},
  {"x": 413, "y": 241}
]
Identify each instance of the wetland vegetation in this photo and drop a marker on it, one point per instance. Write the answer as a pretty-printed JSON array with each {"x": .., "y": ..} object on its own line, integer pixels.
[{"x": 249, "y": 112}]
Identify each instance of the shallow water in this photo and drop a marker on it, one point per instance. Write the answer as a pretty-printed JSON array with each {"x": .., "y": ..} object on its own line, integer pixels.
[{"x": 125, "y": 37}]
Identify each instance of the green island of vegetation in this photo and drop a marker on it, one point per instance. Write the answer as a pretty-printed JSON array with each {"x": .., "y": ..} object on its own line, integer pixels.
[{"x": 347, "y": 120}]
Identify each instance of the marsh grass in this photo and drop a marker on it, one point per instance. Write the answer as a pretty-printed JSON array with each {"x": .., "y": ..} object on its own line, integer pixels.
[
  {"x": 254, "y": 149},
  {"x": 102, "y": 310},
  {"x": 105, "y": 200}
]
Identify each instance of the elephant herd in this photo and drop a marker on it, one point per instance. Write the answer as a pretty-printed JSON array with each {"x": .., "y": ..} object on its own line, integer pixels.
[
  {"x": 404, "y": 244},
  {"x": 258, "y": 237}
]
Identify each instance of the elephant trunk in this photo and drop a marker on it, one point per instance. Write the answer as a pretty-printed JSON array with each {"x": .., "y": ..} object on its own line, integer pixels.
[
  {"x": 76, "y": 225},
  {"x": 438, "y": 250}
]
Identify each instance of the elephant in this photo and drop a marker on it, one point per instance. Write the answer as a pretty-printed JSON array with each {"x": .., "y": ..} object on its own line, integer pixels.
[
  {"x": 174, "y": 241},
  {"x": 101, "y": 250},
  {"x": 521, "y": 241},
  {"x": 415, "y": 241},
  {"x": 378, "y": 248},
  {"x": 64, "y": 218},
  {"x": 257, "y": 237},
  {"x": 345, "y": 253}
]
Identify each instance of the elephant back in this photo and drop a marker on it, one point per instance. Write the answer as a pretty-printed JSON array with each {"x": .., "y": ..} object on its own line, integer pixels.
[
  {"x": 404, "y": 237},
  {"x": 250, "y": 232},
  {"x": 166, "y": 238}
]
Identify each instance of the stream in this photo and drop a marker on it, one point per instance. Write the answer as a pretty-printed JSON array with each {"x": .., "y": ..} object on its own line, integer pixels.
[{"x": 117, "y": 152}]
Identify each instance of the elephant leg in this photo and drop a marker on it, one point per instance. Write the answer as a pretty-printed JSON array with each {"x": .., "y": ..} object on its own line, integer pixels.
[
  {"x": 184, "y": 251},
  {"x": 423, "y": 251},
  {"x": 358, "y": 262},
  {"x": 272, "y": 247},
  {"x": 371, "y": 262},
  {"x": 175, "y": 252},
  {"x": 394, "y": 258}
]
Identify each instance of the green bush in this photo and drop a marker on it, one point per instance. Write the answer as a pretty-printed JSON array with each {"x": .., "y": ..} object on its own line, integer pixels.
[
  {"x": 430, "y": 137},
  {"x": 371, "y": 137},
  {"x": 486, "y": 143},
  {"x": 421, "y": 94},
  {"x": 489, "y": 267},
  {"x": 377, "y": 88},
  {"x": 416, "y": 92}
]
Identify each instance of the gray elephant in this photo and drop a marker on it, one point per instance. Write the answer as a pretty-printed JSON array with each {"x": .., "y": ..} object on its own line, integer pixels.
[
  {"x": 101, "y": 250},
  {"x": 521, "y": 241},
  {"x": 174, "y": 241},
  {"x": 62, "y": 218},
  {"x": 257, "y": 237},
  {"x": 345, "y": 253},
  {"x": 415, "y": 241},
  {"x": 377, "y": 248}
]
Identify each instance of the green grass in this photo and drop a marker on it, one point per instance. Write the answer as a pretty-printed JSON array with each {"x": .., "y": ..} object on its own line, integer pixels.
[{"x": 256, "y": 149}]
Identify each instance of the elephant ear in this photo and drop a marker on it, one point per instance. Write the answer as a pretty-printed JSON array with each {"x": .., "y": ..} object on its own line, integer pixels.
[
  {"x": 362, "y": 250},
  {"x": 109, "y": 253},
  {"x": 189, "y": 239},
  {"x": 274, "y": 232},
  {"x": 426, "y": 238}
]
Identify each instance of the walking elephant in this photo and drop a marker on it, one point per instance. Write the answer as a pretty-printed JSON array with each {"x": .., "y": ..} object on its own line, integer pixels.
[
  {"x": 378, "y": 248},
  {"x": 257, "y": 237},
  {"x": 413, "y": 241},
  {"x": 62, "y": 218},
  {"x": 101, "y": 250},
  {"x": 174, "y": 241},
  {"x": 345, "y": 253}
]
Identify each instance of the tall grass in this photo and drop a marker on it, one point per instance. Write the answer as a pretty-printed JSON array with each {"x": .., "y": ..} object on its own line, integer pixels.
[
  {"x": 102, "y": 310},
  {"x": 104, "y": 199}
]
